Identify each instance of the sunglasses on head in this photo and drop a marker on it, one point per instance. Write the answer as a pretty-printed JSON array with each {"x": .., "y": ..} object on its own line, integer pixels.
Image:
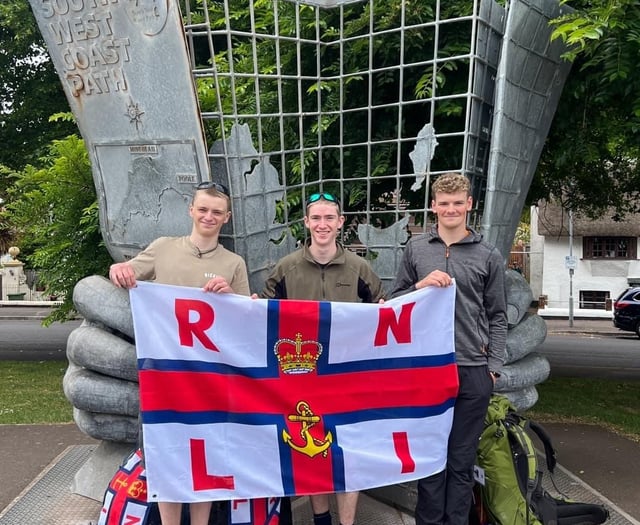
[
  {"x": 315, "y": 197},
  {"x": 207, "y": 185}
]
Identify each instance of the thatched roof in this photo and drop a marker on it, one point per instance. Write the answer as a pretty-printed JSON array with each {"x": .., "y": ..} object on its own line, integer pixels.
[{"x": 553, "y": 221}]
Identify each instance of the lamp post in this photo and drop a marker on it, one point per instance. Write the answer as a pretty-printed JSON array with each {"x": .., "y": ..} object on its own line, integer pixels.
[{"x": 571, "y": 268}]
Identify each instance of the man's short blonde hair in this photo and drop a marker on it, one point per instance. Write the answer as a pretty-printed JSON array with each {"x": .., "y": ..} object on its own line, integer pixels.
[
  {"x": 451, "y": 183},
  {"x": 214, "y": 190}
]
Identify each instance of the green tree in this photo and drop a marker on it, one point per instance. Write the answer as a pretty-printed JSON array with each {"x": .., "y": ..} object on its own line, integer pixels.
[
  {"x": 7, "y": 232},
  {"x": 418, "y": 83},
  {"x": 31, "y": 91},
  {"x": 590, "y": 161},
  {"x": 55, "y": 211}
]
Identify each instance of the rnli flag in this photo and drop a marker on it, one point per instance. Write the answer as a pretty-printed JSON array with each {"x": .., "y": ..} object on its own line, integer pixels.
[{"x": 244, "y": 398}]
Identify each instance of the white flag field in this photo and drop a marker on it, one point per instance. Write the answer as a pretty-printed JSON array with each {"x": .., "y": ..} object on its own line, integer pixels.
[{"x": 247, "y": 398}]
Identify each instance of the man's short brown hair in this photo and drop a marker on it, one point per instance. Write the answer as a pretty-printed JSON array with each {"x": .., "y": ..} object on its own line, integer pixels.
[{"x": 450, "y": 183}]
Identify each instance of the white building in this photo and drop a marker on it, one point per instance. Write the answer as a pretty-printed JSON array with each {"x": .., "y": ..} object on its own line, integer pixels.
[{"x": 604, "y": 254}]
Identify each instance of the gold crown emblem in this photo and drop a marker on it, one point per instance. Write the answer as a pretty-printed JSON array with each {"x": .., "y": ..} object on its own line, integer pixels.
[{"x": 297, "y": 357}]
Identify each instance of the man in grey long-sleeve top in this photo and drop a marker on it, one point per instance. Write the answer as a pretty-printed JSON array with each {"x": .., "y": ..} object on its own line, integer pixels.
[{"x": 450, "y": 251}]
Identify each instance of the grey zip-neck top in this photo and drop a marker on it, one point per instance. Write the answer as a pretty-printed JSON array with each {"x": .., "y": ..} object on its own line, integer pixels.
[{"x": 481, "y": 305}]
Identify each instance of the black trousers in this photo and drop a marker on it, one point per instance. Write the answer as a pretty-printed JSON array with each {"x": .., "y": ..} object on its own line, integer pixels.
[{"x": 445, "y": 498}]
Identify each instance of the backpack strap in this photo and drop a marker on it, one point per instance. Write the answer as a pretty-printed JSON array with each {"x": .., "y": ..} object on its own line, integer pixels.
[
  {"x": 549, "y": 451},
  {"x": 545, "y": 506},
  {"x": 534, "y": 478}
]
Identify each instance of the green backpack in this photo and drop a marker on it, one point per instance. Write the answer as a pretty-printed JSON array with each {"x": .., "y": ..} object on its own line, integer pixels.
[{"x": 510, "y": 478}]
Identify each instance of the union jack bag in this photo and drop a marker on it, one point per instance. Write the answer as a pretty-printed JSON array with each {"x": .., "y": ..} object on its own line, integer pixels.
[
  {"x": 125, "y": 503},
  {"x": 125, "y": 500}
]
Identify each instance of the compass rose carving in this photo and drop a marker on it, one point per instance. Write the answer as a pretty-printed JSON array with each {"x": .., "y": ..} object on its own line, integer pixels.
[{"x": 134, "y": 113}]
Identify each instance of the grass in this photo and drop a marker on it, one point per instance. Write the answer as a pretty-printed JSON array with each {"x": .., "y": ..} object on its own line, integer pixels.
[
  {"x": 31, "y": 392},
  {"x": 610, "y": 403}
]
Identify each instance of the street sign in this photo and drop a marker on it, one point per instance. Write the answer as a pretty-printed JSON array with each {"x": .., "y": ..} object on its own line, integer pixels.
[{"x": 570, "y": 262}]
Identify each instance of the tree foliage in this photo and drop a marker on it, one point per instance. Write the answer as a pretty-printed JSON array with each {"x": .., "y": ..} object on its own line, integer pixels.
[
  {"x": 590, "y": 161},
  {"x": 55, "y": 211},
  {"x": 347, "y": 91},
  {"x": 31, "y": 90}
]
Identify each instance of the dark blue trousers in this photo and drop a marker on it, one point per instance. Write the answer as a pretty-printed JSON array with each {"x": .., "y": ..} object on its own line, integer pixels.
[{"x": 445, "y": 498}]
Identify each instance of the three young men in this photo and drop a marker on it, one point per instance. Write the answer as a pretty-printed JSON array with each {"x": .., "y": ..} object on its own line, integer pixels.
[{"x": 323, "y": 270}]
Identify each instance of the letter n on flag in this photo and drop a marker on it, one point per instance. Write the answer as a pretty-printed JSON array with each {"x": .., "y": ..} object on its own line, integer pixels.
[{"x": 244, "y": 398}]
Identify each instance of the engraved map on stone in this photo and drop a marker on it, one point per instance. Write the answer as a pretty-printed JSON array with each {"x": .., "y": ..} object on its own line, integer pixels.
[{"x": 159, "y": 180}]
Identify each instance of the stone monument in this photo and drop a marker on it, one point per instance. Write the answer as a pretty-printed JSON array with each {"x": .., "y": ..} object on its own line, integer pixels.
[
  {"x": 13, "y": 276},
  {"x": 288, "y": 110}
]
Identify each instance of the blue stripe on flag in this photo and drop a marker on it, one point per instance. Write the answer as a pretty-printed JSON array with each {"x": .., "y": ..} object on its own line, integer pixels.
[
  {"x": 179, "y": 365},
  {"x": 286, "y": 465},
  {"x": 271, "y": 370},
  {"x": 152, "y": 417},
  {"x": 324, "y": 334},
  {"x": 273, "y": 328},
  {"x": 373, "y": 414},
  {"x": 388, "y": 363}
]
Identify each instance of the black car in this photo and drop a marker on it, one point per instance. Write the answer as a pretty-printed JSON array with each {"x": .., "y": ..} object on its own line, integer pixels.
[{"x": 626, "y": 310}]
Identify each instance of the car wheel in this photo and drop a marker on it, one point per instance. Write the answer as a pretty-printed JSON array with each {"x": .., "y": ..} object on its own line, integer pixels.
[{"x": 638, "y": 329}]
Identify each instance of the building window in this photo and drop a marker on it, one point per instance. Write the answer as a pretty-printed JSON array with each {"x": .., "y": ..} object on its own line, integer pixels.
[
  {"x": 609, "y": 247},
  {"x": 593, "y": 299}
]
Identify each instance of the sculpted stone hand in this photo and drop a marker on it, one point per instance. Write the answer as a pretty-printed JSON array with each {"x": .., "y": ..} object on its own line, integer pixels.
[{"x": 102, "y": 379}]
